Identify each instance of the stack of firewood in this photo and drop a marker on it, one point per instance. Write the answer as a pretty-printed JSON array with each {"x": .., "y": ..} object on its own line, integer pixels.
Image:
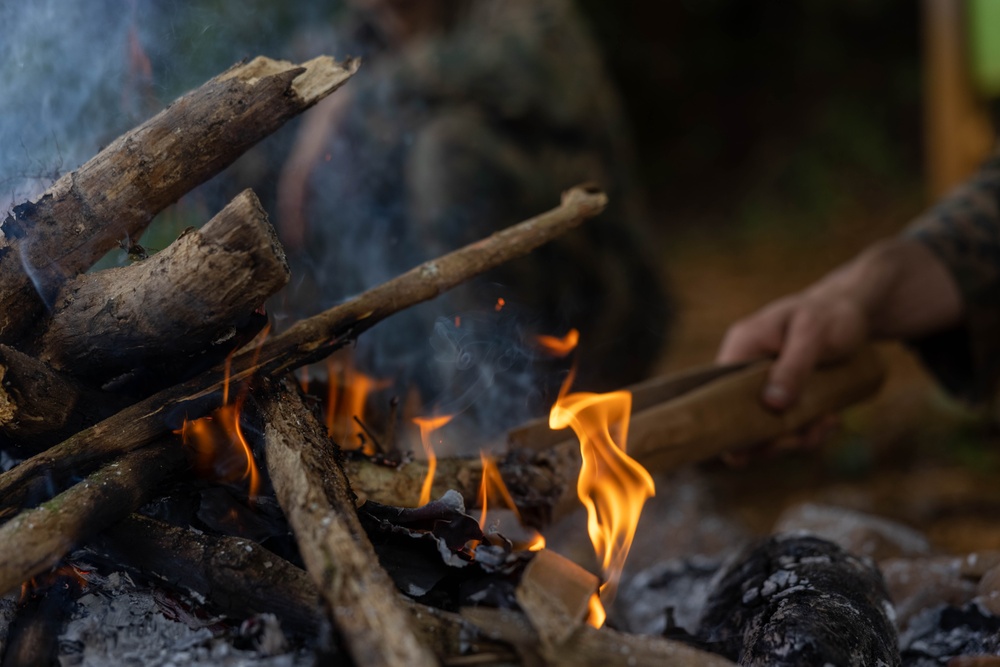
[{"x": 99, "y": 370}]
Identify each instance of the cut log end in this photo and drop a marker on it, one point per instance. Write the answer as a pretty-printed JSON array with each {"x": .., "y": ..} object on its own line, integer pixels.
[{"x": 313, "y": 80}]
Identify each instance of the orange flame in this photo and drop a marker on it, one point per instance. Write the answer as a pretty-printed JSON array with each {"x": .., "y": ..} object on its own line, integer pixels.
[
  {"x": 347, "y": 396},
  {"x": 219, "y": 436},
  {"x": 595, "y": 612},
  {"x": 556, "y": 346},
  {"x": 493, "y": 492},
  {"x": 428, "y": 425},
  {"x": 612, "y": 486}
]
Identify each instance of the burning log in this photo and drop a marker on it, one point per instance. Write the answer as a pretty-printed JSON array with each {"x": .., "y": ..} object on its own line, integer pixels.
[
  {"x": 314, "y": 492},
  {"x": 680, "y": 424},
  {"x": 237, "y": 577},
  {"x": 115, "y": 195},
  {"x": 37, "y": 539},
  {"x": 307, "y": 341},
  {"x": 184, "y": 301},
  {"x": 40, "y": 406}
]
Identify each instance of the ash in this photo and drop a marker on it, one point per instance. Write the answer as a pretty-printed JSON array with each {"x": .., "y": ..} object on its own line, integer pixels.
[
  {"x": 117, "y": 622},
  {"x": 936, "y": 635}
]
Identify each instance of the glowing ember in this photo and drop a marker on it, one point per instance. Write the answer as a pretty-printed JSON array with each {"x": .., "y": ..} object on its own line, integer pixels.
[
  {"x": 493, "y": 492},
  {"x": 501, "y": 302},
  {"x": 612, "y": 486},
  {"x": 218, "y": 440},
  {"x": 559, "y": 347},
  {"x": 347, "y": 396},
  {"x": 77, "y": 576},
  {"x": 428, "y": 425}
]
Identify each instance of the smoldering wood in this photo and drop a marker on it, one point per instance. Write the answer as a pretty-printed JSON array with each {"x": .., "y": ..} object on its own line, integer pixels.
[
  {"x": 40, "y": 406},
  {"x": 587, "y": 646},
  {"x": 314, "y": 493},
  {"x": 33, "y": 638},
  {"x": 696, "y": 424},
  {"x": 187, "y": 300},
  {"x": 307, "y": 341},
  {"x": 115, "y": 195},
  {"x": 37, "y": 539},
  {"x": 235, "y": 576},
  {"x": 800, "y": 600}
]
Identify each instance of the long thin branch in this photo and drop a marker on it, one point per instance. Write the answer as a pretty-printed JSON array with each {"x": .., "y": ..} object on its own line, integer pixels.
[
  {"x": 314, "y": 493},
  {"x": 306, "y": 342},
  {"x": 37, "y": 539}
]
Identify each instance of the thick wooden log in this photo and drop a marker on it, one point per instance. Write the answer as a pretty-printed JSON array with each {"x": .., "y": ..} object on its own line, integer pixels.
[
  {"x": 37, "y": 539},
  {"x": 306, "y": 342},
  {"x": 184, "y": 301},
  {"x": 115, "y": 195},
  {"x": 313, "y": 490},
  {"x": 40, "y": 406},
  {"x": 235, "y": 576}
]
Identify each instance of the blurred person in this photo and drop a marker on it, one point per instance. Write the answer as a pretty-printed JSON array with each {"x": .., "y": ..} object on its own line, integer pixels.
[
  {"x": 465, "y": 117},
  {"x": 936, "y": 287}
]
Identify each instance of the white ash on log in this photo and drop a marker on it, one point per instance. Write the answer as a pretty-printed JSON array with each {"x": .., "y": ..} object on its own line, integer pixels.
[
  {"x": 313, "y": 490},
  {"x": 186, "y": 300},
  {"x": 799, "y": 600},
  {"x": 115, "y": 195},
  {"x": 305, "y": 342}
]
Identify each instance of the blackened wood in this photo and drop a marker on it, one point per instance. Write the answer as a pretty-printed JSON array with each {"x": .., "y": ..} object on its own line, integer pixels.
[
  {"x": 8, "y": 612},
  {"x": 40, "y": 406},
  {"x": 800, "y": 600},
  {"x": 115, "y": 195},
  {"x": 235, "y": 576},
  {"x": 186, "y": 300},
  {"x": 37, "y": 539},
  {"x": 314, "y": 493},
  {"x": 33, "y": 638},
  {"x": 306, "y": 342}
]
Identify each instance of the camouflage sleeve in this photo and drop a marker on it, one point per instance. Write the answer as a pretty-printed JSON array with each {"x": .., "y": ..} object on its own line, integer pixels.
[{"x": 963, "y": 230}]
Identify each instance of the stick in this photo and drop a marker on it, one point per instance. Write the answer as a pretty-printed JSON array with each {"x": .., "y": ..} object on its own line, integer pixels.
[
  {"x": 40, "y": 406},
  {"x": 304, "y": 343},
  {"x": 237, "y": 577},
  {"x": 312, "y": 489},
  {"x": 115, "y": 195},
  {"x": 189, "y": 297},
  {"x": 36, "y": 540}
]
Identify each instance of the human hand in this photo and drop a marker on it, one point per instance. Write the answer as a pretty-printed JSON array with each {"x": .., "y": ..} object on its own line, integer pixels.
[{"x": 801, "y": 331}]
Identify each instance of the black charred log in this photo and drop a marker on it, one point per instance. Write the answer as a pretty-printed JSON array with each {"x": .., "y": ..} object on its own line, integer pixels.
[{"x": 796, "y": 600}]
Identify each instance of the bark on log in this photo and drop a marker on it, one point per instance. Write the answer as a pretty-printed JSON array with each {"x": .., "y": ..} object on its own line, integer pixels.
[
  {"x": 40, "y": 406},
  {"x": 186, "y": 300},
  {"x": 306, "y": 342},
  {"x": 236, "y": 577},
  {"x": 115, "y": 195},
  {"x": 313, "y": 490},
  {"x": 37, "y": 539}
]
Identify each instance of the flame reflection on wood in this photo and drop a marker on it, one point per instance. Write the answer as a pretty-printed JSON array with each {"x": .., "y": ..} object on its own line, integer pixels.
[{"x": 612, "y": 486}]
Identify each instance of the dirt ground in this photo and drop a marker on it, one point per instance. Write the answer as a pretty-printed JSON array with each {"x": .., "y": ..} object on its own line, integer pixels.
[{"x": 911, "y": 454}]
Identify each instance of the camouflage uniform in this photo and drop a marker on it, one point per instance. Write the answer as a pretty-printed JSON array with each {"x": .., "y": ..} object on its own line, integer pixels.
[
  {"x": 471, "y": 130},
  {"x": 963, "y": 230}
]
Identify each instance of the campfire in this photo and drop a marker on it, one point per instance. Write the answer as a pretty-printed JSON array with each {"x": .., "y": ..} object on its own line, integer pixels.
[{"x": 122, "y": 387}]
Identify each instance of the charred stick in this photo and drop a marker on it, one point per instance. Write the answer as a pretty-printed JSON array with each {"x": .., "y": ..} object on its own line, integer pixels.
[
  {"x": 236, "y": 577},
  {"x": 37, "y": 539},
  {"x": 304, "y": 343},
  {"x": 40, "y": 406},
  {"x": 115, "y": 195},
  {"x": 187, "y": 300},
  {"x": 33, "y": 638},
  {"x": 313, "y": 490},
  {"x": 8, "y": 612}
]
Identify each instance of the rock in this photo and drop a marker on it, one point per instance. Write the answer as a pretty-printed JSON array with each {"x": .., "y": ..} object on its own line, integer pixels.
[
  {"x": 923, "y": 583},
  {"x": 861, "y": 534}
]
